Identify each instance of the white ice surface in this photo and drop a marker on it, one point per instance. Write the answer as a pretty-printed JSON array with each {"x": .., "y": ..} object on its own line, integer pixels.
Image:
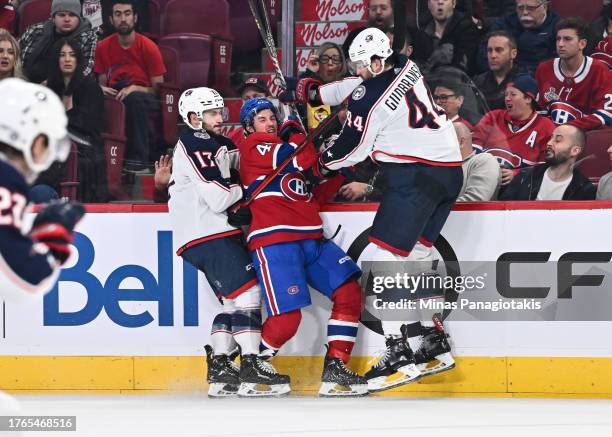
[{"x": 196, "y": 415}]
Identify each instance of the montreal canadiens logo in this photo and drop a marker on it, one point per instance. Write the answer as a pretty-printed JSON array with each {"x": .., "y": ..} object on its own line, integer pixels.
[
  {"x": 293, "y": 187},
  {"x": 294, "y": 289}
]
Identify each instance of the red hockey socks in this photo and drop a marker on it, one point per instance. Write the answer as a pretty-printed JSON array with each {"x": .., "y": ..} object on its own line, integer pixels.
[
  {"x": 278, "y": 330},
  {"x": 344, "y": 320}
]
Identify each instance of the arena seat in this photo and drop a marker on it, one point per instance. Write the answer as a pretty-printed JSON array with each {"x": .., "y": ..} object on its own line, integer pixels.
[
  {"x": 588, "y": 9},
  {"x": 169, "y": 92},
  {"x": 70, "y": 183},
  {"x": 210, "y": 17},
  {"x": 243, "y": 28},
  {"x": 194, "y": 53},
  {"x": 597, "y": 160},
  {"x": 114, "y": 145},
  {"x": 32, "y": 12}
]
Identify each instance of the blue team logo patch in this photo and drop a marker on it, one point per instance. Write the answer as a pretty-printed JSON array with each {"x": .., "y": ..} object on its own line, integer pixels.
[
  {"x": 202, "y": 135},
  {"x": 293, "y": 186},
  {"x": 358, "y": 93},
  {"x": 294, "y": 289}
]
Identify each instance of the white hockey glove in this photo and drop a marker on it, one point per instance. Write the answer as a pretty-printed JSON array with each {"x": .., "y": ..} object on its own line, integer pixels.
[{"x": 222, "y": 160}]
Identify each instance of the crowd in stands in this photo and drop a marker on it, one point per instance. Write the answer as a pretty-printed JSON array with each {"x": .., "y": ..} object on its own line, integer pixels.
[{"x": 523, "y": 85}]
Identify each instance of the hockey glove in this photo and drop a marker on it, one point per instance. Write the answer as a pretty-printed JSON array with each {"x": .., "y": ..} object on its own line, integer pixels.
[
  {"x": 223, "y": 162},
  {"x": 306, "y": 89},
  {"x": 289, "y": 128},
  {"x": 54, "y": 227},
  {"x": 288, "y": 94},
  {"x": 242, "y": 217},
  {"x": 320, "y": 171}
]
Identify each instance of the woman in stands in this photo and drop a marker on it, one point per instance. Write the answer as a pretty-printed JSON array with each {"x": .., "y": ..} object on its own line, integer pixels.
[
  {"x": 84, "y": 103},
  {"x": 10, "y": 56}
]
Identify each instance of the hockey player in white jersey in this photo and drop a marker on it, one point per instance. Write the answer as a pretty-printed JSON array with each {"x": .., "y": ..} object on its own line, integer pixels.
[
  {"x": 201, "y": 189},
  {"x": 33, "y": 134},
  {"x": 393, "y": 119}
]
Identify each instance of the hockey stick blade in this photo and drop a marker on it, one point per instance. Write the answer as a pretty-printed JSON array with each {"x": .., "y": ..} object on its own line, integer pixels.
[{"x": 309, "y": 138}]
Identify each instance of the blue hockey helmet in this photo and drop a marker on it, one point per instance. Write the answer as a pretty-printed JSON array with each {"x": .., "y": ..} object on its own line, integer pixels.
[{"x": 252, "y": 107}]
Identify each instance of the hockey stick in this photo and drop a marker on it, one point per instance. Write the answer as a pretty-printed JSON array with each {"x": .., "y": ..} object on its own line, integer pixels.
[
  {"x": 269, "y": 178},
  {"x": 266, "y": 34},
  {"x": 265, "y": 30}
]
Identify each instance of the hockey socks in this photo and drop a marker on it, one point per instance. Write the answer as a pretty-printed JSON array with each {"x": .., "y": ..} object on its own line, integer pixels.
[
  {"x": 344, "y": 320},
  {"x": 278, "y": 330},
  {"x": 246, "y": 330},
  {"x": 221, "y": 334}
]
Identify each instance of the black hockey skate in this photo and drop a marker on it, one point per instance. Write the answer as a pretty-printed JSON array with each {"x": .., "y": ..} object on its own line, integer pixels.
[
  {"x": 396, "y": 367},
  {"x": 258, "y": 378},
  {"x": 434, "y": 354},
  {"x": 338, "y": 380},
  {"x": 223, "y": 375}
]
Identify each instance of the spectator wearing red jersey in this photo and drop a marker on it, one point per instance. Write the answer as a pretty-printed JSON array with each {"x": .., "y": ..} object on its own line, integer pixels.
[
  {"x": 603, "y": 51},
  {"x": 130, "y": 67},
  {"x": 7, "y": 15},
  {"x": 517, "y": 135},
  {"x": 574, "y": 88}
]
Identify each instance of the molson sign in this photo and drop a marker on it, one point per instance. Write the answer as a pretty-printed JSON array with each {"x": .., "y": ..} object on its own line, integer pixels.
[
  {"x": 334, "y": 10},
  {"x": 316, "y": 33}
]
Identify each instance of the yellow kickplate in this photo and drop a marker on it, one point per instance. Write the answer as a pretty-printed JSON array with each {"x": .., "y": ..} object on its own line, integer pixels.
[{"x": 473, "y": 376}]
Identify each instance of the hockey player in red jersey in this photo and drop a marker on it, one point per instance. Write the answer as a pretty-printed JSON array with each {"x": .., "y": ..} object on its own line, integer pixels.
[
  {"x": 516, "y": 136},
  {"x": 574, "y": 88},
  {"x": 288, "y": 248},
  {"x": 200, "y": 191},
  {"x": 393, "y": 119}
]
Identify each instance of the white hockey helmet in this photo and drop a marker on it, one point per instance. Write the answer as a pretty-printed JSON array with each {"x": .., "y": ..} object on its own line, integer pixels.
[
  {"x": 28, "y": 110},
  {"x": 199, "y": 100},
  {"x": 369, "y": 42}
]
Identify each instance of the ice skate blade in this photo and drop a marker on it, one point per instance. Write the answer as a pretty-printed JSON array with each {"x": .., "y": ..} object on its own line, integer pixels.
[
  {"x": 404, "y": 375},
  {"x": 222, "y": 390},
  {"x": 445, "y": 362},
  {"x": 253, "y": 390},
  {"x": 334, "y": 390}
]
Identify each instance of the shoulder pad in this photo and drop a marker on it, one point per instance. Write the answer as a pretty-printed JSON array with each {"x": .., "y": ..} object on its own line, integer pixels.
[
  {"x": 198, "y": 140},
  {"x": 11, "y": 179},
  {"x": 224, "y": 141}
]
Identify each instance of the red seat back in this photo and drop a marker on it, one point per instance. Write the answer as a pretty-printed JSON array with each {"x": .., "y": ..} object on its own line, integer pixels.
[
  {"x": 114, "y": 145},
  {"x": 243, "y": 28},
  {"x": 196, "y": 16},
  {"x": 171, "y": 61},
  {"x": 194, "y": 54},
  {"x": 32, "y": 12},
  {"x": 597, "y": 160}
]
